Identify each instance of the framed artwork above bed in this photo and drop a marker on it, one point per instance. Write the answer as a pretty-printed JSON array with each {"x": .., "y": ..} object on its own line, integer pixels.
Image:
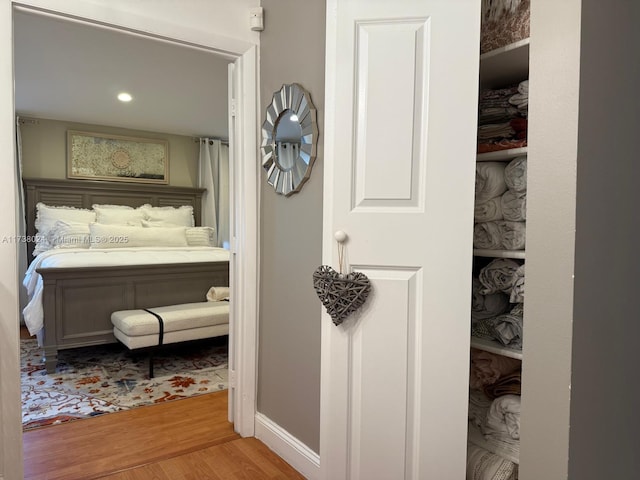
[{"x": 98, "y": 156}]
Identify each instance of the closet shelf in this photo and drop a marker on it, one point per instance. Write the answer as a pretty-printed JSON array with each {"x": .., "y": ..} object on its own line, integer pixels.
[
  {"x": 505, "y": 65},
  {"x": 495, "y": 347},
  {"x": 508, "y": 154},
  {"x": 477, "y": 252}
]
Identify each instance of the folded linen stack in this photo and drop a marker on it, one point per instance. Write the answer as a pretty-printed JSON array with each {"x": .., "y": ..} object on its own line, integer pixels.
[
  {"x": 487, "y": 368},
  {"x": 502, "y": 118},
  {"x": 500, "y": 285},
  {"x": 494, "y": 406}
]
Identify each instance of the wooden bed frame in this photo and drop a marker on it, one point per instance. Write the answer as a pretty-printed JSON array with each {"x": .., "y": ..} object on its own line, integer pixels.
[{"x": 78, "y": 302}]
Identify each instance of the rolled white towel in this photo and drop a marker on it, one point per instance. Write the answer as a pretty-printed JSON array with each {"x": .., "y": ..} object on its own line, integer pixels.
[
  {"x": 486, "y": 306},
  {"x": 482, "y": 464},
  {"x": 515, "y": 174},
  {"x": 498, "y": 276},
  {"x": 487, "y": 235},
  {"x": 490, "y": 182},
  {"x": 489, "y": 210},
  {"x": 217, "y": 294},
  {"x": 517, "y": 292},
  {"x": 513, "y": 206},
  {"x": 523, "y": 87},
  {"x": 503, "y": 418},
  {"x": 507, "y": 328},
  {"x": 512, "y": 234}
]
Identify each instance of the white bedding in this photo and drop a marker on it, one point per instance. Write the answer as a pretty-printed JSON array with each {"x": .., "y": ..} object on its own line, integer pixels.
[{"x": 95, "y": 257}]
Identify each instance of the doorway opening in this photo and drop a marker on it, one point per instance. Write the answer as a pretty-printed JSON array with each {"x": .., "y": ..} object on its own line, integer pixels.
[{"x": 242, "y": 93}]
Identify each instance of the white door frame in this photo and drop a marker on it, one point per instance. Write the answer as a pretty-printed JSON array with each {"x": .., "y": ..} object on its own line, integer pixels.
[{"x": 243, "y": 266}]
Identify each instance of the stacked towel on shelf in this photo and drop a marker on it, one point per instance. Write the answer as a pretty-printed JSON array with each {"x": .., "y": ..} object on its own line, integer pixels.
[
  {"x": 505, "y": 328},
  {"x": 499, "y": 235},
  {"x": 484, "y": 465},
  {"x": 506, "y": 385},
  {"x": 517, "y": 291},
  {"x": 498, "y": 276},
  {"x": 513, "y": 206},
  {"x": 490, "y": 182},
  {"x": 494, "y": 404},
  {"x": 500, "y": 205},
  {"x": 488, "y": 211},
  {"x": 487, "y": 368},
  {"x": 500, "y": 431},
  {"x": 486, "y": 306},
  {"x": 515, "y": 174},
  {"x": 487, "y": 235},
  {"x": 512, "y": 234},
  {"x": 502, "y": 117}
]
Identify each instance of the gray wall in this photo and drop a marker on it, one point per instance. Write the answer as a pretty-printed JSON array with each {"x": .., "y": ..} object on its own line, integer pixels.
[
  {"x": 605, "y": 392},
  {"x": 44, "y": 150},
  {"x": 292, "y": 51}
]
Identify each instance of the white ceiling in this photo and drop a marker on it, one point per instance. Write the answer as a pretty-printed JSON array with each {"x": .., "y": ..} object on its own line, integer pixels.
[{"x": 73, "y": 72}]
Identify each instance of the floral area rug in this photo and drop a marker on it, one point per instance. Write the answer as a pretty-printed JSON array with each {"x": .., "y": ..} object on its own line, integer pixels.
[{"x": 95, "y": 380}]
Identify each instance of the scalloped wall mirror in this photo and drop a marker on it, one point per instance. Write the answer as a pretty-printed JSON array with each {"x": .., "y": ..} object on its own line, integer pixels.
[{"x": 289, "y": 137}]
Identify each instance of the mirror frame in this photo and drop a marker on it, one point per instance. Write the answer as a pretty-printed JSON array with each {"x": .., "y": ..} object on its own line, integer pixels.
[{"x": 294, "y": 98}]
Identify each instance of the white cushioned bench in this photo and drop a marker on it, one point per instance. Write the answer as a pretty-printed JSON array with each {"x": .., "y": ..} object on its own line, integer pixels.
[{"x": 142, "y": 328}]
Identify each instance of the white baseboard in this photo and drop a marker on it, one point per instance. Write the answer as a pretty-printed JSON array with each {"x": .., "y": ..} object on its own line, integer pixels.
[{"x": 292, "y": 450}]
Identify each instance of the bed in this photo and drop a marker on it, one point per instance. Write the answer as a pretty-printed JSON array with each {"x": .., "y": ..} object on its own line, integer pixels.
[{"x": 77, "y": 300}]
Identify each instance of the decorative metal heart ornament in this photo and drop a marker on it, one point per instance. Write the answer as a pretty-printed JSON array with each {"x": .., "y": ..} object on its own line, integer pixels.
[{"x": 340, "y": 294}]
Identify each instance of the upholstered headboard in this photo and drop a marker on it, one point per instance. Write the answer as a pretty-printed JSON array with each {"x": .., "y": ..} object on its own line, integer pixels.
[{"x": 85, "y": 193}]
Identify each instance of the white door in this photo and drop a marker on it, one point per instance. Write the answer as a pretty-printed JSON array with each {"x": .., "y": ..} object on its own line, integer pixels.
[{"x": 400, "y": 130}]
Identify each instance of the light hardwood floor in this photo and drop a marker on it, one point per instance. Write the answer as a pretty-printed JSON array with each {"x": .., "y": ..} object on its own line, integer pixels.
[{"x": 188, "y": 439}]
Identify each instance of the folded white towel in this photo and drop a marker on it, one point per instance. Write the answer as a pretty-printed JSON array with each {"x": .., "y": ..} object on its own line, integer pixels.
[
  {"x": 515, "y": 174},
  {"x": 489, "y": 210},
  {"x": 513, "y": 206},
  {"x": 490, "y": 182},
  {"x": 217, "y": 294}
]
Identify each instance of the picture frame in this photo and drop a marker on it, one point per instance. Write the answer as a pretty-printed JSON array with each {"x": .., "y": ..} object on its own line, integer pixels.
[{"x": 117, "y": 158}]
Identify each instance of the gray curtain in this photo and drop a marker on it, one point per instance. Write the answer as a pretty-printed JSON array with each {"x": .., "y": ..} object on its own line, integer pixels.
[{"x": 213, "y": 174}]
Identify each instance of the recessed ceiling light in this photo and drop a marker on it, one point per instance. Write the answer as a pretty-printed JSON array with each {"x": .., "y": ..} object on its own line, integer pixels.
[
  {"x": 124, "y": 97},
  {"x": 293, "y": 117}
]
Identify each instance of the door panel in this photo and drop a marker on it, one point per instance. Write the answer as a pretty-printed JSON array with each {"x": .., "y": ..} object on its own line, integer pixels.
[{"x": 400, "y": 129}]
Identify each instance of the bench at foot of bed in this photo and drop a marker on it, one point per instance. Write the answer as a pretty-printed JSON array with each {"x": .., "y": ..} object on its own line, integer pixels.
[{"x": 153, "y": 327}]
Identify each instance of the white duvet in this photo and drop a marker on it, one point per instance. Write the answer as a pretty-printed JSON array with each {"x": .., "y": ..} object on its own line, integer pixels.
[{"x": 82, "y": 257}]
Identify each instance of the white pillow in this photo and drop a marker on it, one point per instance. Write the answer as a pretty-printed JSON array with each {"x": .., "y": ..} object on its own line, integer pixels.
[
  {"x": 119, "y": 214},
  {"x": 65, "y": 234},
  {"x": 182, "y": 216},
  {"x": 196, "y": 236},
  {"x": 47, "y": 216},
  {"x": 124, "y": 236}
]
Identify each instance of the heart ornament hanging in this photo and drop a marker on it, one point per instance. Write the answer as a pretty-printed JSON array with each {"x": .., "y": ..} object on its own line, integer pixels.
[{"x": 341, "y": 294}]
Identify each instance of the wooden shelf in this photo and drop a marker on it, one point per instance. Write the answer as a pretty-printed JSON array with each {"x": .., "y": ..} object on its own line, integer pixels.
[
  {"x": 505, "y": 66},
  {"x": 479, "y": 252},
  {"x": 495, "y": 347},
  {"x": 499, "y": 155}
]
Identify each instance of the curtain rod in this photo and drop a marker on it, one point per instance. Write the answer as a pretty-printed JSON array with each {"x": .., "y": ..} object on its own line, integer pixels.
[{"x": 222, "y": 140}]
